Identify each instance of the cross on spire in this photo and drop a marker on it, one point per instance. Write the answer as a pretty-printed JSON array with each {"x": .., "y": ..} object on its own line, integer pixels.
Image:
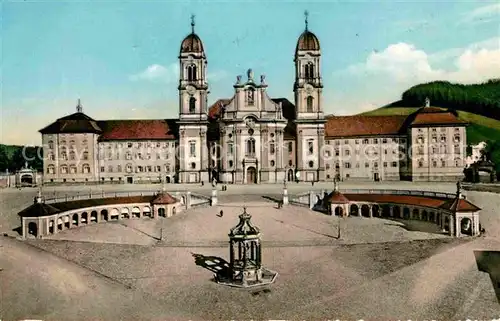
[
  {"x": 192, "y": 23},
  {"x": 79, "y": 106},
  {"x": 306, "y": 16}
]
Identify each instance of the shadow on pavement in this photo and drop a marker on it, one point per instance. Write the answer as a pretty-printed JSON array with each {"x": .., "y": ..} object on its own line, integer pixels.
[
  {"x": 214, "y": 264},
  {"x": 489, "y": 262}
]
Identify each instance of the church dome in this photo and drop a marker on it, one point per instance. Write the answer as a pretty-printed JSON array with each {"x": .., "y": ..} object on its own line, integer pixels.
[
  {"x": 192, "y": 44},
  {"x": 307, "y": 41}
]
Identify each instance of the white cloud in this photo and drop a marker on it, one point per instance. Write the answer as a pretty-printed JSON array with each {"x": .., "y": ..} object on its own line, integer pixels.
[
  {"x": 386, "y": 74},
  {"x": 159, "y": 73},
  {"x": 482, "y": 14}
]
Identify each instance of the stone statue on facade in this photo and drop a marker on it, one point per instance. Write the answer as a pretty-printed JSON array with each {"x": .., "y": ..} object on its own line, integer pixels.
[{"x": 250, "y": 74}]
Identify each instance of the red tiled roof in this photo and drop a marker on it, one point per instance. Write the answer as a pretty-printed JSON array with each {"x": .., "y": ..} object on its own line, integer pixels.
[
  {"x": 164, "y": 198},
  {"x": 460, "y": 205},
  {"x": 348, "y": 126},
  {"x": 215, "y": 109},
  {"x": 42, "y": 209},
  {"x": 138, "y": 129},
  {"x": 437, "y": 119},
  {"x": 397, "y": 199},
  {"x": 338, "y": 198},
  {"x": 434, "y": 116}
]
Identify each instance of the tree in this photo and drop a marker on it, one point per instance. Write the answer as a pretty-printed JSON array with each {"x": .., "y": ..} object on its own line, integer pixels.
[
  {"x": 4, "y": 159},
  {"x": 491, "y": 152}
]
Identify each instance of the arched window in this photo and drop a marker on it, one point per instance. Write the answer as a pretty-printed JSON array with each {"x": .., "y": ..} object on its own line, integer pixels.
[
  {"x": 309, "y": 104},
  {"x": 72, "y": 169},
  {"x": 309, "y": 70},
  {"x": 85, "y": 155},
  {"x": 72, "y": 155},
  {"x": 86, "y": 168},
  {"x": 420, "y": 163},
  {"x": 192, "y": 105},
  {"x": 64, "y": 169},
  {"x": 250, "y": 147},
  {"x": 271, "y": 148},
  {"x": 191, "y": 73},
  {"x": 51, "y": 144},
  {"x": 51, "y": 169}
]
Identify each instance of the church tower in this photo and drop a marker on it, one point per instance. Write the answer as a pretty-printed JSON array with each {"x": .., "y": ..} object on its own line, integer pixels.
[
  {"x": 309, "y": 117},
  {"x": 193, "y": 97}
]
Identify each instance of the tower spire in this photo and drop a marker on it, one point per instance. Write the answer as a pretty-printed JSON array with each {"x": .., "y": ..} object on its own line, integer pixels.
[
  {"x": 192, "y": 23},
  {"x": 79, "y": 106},
  {"x": 306, "y": 18}
]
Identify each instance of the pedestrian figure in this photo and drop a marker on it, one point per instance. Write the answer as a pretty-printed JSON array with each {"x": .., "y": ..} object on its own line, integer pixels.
[
  {"x": 202, "y": 183},
  {"x": 220, "y": 214}
]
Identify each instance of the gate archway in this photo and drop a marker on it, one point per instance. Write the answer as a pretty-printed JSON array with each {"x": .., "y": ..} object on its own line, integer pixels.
[{"x": 251, "y": 175}]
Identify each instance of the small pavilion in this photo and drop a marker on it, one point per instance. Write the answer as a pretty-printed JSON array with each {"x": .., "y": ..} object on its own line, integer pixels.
[
  {"x": 337, "y": 201},
  {"x": 245, "y": 256}
]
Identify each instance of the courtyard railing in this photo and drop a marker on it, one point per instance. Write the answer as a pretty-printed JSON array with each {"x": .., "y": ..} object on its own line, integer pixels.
[
  {"x": 55, "y": 198},
  {"x": 381, "y": 192}
]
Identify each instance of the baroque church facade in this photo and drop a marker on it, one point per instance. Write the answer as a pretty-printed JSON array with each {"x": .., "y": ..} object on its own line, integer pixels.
[{"x": 253, "y": 138}]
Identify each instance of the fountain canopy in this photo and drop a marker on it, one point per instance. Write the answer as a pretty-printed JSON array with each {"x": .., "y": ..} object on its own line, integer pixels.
[{"x": 245, "y": 228}]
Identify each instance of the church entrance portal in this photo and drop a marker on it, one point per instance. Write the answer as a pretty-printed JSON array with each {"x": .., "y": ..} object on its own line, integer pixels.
[{"x": 251, "y": 175}]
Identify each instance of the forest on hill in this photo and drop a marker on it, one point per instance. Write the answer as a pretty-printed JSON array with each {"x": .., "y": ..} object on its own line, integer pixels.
[
  {"x": 481, "y": 99},
  {"x": 13, "y": 157}
]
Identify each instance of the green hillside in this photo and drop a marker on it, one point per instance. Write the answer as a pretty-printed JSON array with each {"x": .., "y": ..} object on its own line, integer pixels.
[
  {"x": 481, "y": 99},
  {"x": 480, "y": 128}
]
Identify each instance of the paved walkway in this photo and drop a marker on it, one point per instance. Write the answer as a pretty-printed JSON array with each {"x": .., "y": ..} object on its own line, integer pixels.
[{"x": 447, "y": 285}]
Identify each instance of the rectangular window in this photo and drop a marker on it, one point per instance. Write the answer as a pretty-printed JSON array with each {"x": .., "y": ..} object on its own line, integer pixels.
[
  {"x": 290, "y": 147},
  {"x": 150, "y": 168},
  {"x": 192, "y": 149},
  {"x": 158, "y": 168},
  {"x": 110, "y": 169},
  {"x": 102, "y": 169},
  {"x": 384, "y": 141},
  {"x": 347, "y": 165},
  {"x": 385, "y": 164},
  {"x": 119, "y": 168},
  {"x": 230, "y": 148},
  {"x": 394, "y": 164}
]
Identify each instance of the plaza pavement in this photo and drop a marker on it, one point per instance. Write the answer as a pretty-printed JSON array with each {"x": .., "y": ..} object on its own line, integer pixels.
[{"x": 315, "y": 281}]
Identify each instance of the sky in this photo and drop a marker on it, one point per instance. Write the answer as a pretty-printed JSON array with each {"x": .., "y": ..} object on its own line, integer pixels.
[{"x": 121, "y": 57}]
